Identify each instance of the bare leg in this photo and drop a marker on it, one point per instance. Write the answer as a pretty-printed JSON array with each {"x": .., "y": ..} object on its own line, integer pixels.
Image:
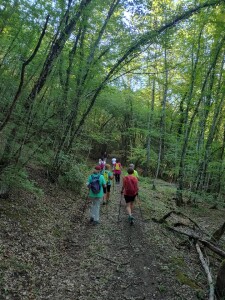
[
  {"x": 128, "y": 208},
  {"x": 107, "y": 196},
  {"x": 104, "y": 199},
  {"x": 131, "y": 207}
]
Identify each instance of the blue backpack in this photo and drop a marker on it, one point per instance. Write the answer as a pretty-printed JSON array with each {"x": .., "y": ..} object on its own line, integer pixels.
[{"x": 95, "y": 184}]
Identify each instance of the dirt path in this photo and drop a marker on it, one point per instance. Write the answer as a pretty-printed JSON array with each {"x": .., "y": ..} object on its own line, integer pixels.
[
  {"x": 46, "y": 253},
  {"x": 115, "y": 260}
]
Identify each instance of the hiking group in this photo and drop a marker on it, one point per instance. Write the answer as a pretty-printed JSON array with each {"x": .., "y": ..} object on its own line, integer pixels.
[{"x": 100, "y": 183}]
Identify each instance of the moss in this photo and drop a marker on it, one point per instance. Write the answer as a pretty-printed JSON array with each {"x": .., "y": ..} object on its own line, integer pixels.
[
  {"x": 184, "y": 279},
  {"x": 177, "y": 261}
]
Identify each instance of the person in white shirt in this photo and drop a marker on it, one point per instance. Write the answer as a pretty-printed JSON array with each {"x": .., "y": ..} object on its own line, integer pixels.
[
  {"x": 113, "y": 163},
  {"x": 101, "y": 163}
]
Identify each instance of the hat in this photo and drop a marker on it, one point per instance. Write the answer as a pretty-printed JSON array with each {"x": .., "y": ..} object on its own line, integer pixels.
[{"x": 98, "y": 168}]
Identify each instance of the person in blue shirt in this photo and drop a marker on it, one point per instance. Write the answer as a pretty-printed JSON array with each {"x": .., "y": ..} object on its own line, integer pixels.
[{"x": 96, "y": 197}]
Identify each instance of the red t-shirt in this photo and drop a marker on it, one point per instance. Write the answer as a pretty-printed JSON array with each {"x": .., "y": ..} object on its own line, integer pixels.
[{"x": 130, "y": 185}]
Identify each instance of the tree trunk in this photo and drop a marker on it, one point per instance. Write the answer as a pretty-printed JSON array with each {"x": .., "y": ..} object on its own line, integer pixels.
[{"x": 163, "y": 115}]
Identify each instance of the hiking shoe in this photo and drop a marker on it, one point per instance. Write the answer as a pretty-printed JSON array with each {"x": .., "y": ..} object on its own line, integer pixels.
[
  {"x": 131, "y": 220},
  {"x": 95, "y": 223},
  {"x": 91, "y": 220},
  {"x": 103, "y": 203}
]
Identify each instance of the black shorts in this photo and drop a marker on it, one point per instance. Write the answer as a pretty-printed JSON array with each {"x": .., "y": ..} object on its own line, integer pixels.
[
  {"x": 129, "y": 198},
  {"x": 106, "y": 189}
]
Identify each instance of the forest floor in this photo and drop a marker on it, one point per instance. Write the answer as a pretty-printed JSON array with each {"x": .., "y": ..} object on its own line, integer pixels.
[{"x": 48, "y": 250}]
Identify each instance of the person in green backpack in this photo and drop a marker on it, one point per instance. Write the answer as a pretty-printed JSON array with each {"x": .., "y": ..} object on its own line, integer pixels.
[
  {"x": 96, "y": 184},
  {"x": 108, "y": 176}
]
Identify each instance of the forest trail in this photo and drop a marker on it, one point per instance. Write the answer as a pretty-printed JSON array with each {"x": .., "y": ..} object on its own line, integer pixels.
[
  {"x": 47, "y": 252},
  {"x": 115, "y": 260}
]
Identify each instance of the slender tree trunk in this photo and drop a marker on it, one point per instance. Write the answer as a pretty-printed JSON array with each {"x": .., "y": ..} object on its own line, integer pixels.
[
  {"x": 186, "y": 128},
  {"x": 84, "y": 69},
  {"x": 150, "y": 123},
  {"x": 163, "y": 115},
  {"x": 207, "y": 151}
]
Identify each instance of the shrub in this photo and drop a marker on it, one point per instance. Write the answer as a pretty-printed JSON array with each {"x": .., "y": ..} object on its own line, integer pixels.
[
  {"x": 14, "y": 177},
  {"x": 74, "y": 178}
]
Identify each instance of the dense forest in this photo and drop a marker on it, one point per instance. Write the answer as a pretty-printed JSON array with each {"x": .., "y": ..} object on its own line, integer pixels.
[{"x": 142, "y": 80}]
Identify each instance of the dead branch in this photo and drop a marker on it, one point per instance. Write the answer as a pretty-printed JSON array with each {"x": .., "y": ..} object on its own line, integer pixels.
[
  {"x": 206, "y": 243},
  {"x": 213, "y": 248},
  {"x": 206, "y": 268},
  {"x": 113, "y": 261},
  {"x": 106, "y": 258},
  {"x": 178, "y": 224},
  {"x": 178, "y": 213}
]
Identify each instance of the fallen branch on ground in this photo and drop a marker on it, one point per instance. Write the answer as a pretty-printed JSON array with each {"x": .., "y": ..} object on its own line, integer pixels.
[
  {"x": 178, "y": 213},
  {"x": 113, "y": 261},
  {"x": 204, "y": 242},
  {"x": 206, "y": 268}
]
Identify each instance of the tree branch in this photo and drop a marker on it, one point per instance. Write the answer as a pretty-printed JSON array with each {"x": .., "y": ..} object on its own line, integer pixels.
[
  {"x": 25, "y": 63},
  {"x": 206, "y": 268}
]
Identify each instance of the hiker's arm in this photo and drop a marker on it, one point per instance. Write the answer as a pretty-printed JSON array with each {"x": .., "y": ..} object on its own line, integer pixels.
[{"x": 122, "y": 187}]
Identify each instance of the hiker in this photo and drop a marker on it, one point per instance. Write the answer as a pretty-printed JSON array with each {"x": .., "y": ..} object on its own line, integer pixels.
[
  {"x": 135, "y": 174},
  {"x": 105, "y": 156},
  {"x": 101, "y": 163},
  {"x": 96, "y": 183},
  {"x": 130, "y": 191},
  {"x": 113, "y": 162},
  {"x": 108, "y": 175},
  {"x": 117, "y": 171}
]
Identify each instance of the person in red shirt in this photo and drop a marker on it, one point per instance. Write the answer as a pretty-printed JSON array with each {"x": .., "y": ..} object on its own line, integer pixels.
[{"x": 130, "y": 191}]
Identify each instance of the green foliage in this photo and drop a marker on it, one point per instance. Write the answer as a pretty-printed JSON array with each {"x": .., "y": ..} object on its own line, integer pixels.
[
  {"x": 74, "y": 178},
  {"x": 109, "y": 91},
  {"x": 14, "y": 177},
  {"x": 137, "y": 156}
]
